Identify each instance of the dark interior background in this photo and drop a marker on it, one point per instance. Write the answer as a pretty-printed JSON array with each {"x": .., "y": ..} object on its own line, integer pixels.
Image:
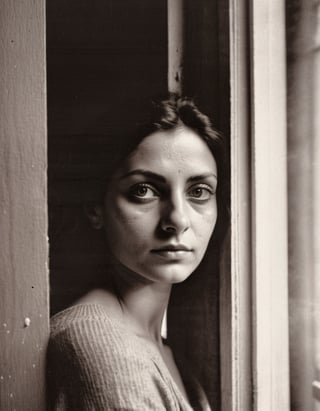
[{"x": 105, "y": 57}]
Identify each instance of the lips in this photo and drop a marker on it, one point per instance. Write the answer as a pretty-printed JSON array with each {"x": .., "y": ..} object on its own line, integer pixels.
[
  {"x": 173, "y": 248},
  {"x": 172, "y": 252}
]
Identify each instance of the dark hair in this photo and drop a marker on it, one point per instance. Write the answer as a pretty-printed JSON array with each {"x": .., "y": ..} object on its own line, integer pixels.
[{"x": 168, "y": 114}]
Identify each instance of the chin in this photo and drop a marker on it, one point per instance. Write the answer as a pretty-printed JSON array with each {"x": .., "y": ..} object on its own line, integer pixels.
[{"x": 171, "y": 275}]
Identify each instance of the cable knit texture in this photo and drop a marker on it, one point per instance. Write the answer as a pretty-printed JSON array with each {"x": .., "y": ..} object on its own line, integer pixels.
[{"x": 95, "y": 363}]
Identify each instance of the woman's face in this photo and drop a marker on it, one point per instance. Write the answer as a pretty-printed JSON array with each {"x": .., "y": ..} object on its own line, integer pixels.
[{"x": 160, "y": 208}]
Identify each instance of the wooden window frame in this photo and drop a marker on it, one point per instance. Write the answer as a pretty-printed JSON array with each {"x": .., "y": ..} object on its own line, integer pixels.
[{"x": 254, "y": 331}]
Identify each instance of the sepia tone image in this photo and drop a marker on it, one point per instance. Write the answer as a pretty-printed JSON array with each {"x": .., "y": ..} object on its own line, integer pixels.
[{"x": 160, "y": 205}]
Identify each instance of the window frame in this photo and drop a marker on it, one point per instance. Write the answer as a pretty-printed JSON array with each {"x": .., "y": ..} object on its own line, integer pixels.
[{"x": 256, "y": 334}]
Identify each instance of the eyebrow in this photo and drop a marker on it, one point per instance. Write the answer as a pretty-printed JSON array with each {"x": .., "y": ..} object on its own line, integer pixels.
[
  {"x": 160, "y": 178},
  {"x": 203, "y": 176}
]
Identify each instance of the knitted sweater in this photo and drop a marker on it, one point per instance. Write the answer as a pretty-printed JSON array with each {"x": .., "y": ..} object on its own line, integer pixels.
[{"x": 95, "y": 363}]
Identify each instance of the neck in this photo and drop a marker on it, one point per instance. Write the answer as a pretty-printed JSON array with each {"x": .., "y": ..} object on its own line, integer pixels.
[{"x": 143, "y": 303}]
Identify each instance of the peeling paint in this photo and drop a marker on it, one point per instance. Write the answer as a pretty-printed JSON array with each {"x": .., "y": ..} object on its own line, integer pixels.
[{"x": 27, "y": 322}]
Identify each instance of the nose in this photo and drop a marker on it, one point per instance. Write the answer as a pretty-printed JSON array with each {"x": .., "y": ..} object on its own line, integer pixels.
[{"x": 174, "y": 218}]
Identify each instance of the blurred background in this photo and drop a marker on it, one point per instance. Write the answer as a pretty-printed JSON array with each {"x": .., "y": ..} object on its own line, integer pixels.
[{"x": 303, "y": 82}]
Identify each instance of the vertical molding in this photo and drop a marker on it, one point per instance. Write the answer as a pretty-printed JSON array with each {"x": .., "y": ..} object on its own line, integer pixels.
[
  {"x": 175, "y": 45},
  {"x": 235, "y": 299},
  {"x": 23, "y": 206},
  {"x": 269, "y": 199},
  {"x": 316, "y": 205}
]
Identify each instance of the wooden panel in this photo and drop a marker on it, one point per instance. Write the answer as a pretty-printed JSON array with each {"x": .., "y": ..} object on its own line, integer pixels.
[
  {"x": 316, "y": 223},
  {"x": 257, "y": 287},
  {"x": 175, "y": 45},
  {"x": 269, "y": 196},
  {"x": 23, "y": 216},
  {"x": 235, "y": 299}
]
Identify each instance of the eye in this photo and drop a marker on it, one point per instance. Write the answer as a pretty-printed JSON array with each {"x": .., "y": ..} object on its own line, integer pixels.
[
  {"x": 143, "y": 191},
  {"x": 200, "y": 193}
]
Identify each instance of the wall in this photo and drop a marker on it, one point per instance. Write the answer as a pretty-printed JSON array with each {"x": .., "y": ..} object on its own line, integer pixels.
[{"x": 24, "y": 315}]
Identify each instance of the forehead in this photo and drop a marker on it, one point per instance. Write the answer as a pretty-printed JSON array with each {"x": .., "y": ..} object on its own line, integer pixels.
[{"x": 180, "y": 148}]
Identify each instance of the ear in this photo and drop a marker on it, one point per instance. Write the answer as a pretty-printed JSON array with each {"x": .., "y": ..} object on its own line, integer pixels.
[{"x": 95, "y": 214}]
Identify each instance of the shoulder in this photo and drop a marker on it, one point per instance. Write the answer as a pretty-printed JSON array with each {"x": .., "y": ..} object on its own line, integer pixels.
[
  {"x": 85, "y": 338},
  {"x": 78, "y": 316},
  {"x": 90, "y": 351},
  {"x": 87, "y": 328}
]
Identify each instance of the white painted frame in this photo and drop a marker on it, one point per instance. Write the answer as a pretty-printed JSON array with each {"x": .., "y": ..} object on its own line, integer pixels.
[
  {"x": 255, "y": 349},
  {"x": 235, "y": 297},
  {"x": 269, "y": 202}
]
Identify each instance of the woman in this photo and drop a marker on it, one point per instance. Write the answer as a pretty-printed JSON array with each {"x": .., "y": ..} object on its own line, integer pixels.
[{"x": 158, "y": 212}]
